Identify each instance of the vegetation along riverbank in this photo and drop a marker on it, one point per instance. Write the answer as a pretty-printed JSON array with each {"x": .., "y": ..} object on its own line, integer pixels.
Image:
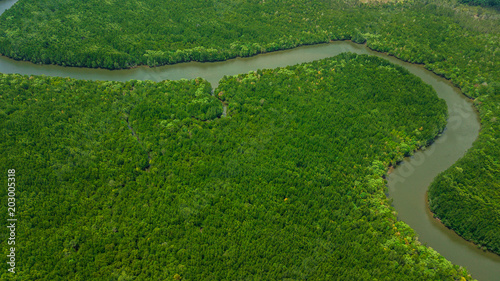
[{"x": 457, "y": 41}]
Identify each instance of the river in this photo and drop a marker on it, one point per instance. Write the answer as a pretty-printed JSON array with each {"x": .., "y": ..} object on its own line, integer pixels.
[{"x": 407, "y": 184}]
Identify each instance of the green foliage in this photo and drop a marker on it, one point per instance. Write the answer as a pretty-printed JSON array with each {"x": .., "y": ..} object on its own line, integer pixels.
[
  {"x": 122, "y": 34},
  {"x": 467, "y": 196},
  {"x": 485, "y": 3},
  {"x": 279, "y": 189},
  {"x": 458, "y": 42}
]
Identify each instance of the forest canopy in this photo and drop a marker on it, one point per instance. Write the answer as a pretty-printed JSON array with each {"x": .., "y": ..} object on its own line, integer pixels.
[
  {"x": 149, "y": 181},
  {"x": 491, "y": 3},
  {"x": 459, "y": 42}
]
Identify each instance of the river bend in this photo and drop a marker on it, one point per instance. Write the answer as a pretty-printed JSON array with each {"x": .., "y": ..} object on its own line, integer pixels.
[{"x": 407, "y": 184}]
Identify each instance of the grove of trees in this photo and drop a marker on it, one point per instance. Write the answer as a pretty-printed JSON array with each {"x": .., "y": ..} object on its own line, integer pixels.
[
  {"x": 148, "y": 181},
  {"x": 459, "y": 42}
]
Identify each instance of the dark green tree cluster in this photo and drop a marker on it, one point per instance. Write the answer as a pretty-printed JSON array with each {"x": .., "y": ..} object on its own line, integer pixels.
[
  {"x": 466, "y": 197},
  {"x": 486, "y": 3},
  {"x": 458, "y": 42},
  {"x": 76, "y": 145},
  {"x": 123, "y": 34},
  {"x": 147, "y": 181}
]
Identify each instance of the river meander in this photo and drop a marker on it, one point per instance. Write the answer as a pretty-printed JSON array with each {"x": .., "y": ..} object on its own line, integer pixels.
[{"x": 407, "y": 184}]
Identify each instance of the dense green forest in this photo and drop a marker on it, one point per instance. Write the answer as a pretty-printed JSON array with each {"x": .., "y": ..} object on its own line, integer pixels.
[
  {"x": 457, "y": 41},
  {"x": 148, "y": 181},
  {"x": 123, "y": 34},
  {"x": 467, "y": 196}
]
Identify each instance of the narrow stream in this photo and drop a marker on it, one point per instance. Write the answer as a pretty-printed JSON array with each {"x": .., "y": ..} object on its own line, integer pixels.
[{"x": 407, "y": 184}]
